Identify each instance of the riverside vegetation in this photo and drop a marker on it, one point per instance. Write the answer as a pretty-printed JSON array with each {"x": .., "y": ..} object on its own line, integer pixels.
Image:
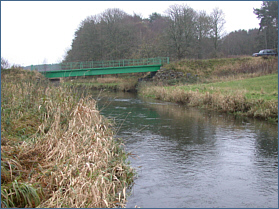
[
  {"x": 242, "y": 86},
  {"x": 56, "y": 149},
  {"x": 245, "y": 86},
  {"x": 120, "y": 83}
]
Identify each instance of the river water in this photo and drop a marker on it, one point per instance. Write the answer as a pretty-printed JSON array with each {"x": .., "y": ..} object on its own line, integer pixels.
[{"x": 192, "y": 158}]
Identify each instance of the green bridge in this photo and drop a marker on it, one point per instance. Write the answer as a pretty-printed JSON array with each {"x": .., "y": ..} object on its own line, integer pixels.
[{"x": 88, "y": 68}]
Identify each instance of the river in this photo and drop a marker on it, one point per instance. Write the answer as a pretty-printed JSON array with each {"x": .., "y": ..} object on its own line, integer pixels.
[{"x": 185, "y": 157}]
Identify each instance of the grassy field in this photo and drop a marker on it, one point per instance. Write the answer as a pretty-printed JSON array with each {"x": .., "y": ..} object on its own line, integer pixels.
[
  {"x": 56, "y": 149},
  {"x": 242, "y": 86},
  {"x": 263, "y": 87}
]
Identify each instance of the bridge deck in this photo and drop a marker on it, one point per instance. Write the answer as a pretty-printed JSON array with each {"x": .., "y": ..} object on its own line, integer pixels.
[{"x": 101, "y": 67}]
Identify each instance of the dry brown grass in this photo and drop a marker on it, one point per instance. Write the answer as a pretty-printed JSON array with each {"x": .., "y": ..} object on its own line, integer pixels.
[
  {"x": 69, "y": 159},
  {"x": 224, "y": 69},
  {"x": 82, "y": 167},
  {"x": 109, "y": 80},
  {"x": 123, "y": 84},
  {"x": 235, "y": 102}
]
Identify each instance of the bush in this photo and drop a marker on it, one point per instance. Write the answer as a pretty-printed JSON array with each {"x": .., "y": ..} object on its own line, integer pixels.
[{"x": 4, "y": 63}]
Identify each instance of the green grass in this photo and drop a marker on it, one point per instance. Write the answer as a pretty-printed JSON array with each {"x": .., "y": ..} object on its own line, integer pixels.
[
  {"x": 252, "y": 97},
  {"x": 19, "y": 194},
  {"x": 263, "y": 87}
]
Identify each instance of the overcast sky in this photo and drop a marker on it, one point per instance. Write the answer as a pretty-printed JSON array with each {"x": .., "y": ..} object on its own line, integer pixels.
[{"x": 37, "y": 32}]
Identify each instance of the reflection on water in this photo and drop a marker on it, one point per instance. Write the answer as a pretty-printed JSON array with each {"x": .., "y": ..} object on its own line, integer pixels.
[{"x": 191, "y": 158}]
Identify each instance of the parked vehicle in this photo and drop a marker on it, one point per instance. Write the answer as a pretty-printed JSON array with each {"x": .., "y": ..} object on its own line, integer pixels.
[{"x": 265, "y": 52}]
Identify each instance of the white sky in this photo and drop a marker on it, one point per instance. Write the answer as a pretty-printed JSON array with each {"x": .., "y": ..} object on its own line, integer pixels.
[{"x": 37, "y": 32}]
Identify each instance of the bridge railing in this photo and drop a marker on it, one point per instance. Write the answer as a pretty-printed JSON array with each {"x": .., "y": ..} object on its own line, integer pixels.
[{"x": 101, "y": 64}]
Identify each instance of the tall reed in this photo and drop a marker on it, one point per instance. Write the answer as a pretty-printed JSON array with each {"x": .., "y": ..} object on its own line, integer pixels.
[{"x": 58, "y": 151}]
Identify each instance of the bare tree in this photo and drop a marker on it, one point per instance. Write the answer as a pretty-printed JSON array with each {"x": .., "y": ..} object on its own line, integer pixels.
[
  {"x": 203, "y": 33},
  {"x": 218, "y": 22},
  {"x": 182, "y": 20}
]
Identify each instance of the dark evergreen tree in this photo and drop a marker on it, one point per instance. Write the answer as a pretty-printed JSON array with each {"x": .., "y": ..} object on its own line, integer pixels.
[{"x": 268, "y": 15}]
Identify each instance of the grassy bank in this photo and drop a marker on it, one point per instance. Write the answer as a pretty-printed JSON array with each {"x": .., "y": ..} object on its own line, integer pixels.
[
  {"x": 259, "y": 88},
  {"x": 120, "y": 83},
  {"x": 249, "y": 87},
  {"x": 56, "y": 149},
  {"x": 226, "y": 69}
]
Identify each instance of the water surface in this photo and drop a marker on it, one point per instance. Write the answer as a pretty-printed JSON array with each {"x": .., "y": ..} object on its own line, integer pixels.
[{"x": 191, "y": 158}]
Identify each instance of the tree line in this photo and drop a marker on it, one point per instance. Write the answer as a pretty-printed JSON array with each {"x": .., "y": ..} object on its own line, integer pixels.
[{"x": 180, "y": 33}]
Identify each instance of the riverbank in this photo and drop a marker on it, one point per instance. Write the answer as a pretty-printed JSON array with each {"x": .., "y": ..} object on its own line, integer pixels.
[
  {"x": 56, "y": 149},
  {"x": 223, "y": 69},
  {"x": 119, "y": 83},
  {"x": 223, "y": 84},
  {"x": 242, "y": 86}
]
